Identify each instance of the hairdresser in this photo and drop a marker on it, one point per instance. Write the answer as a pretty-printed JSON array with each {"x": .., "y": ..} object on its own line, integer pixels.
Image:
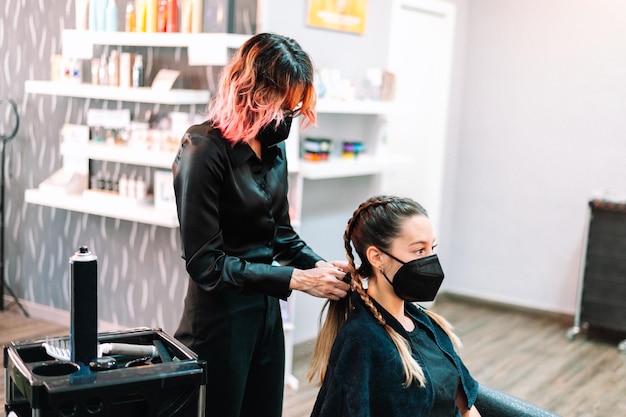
[{"x": 240, "y": 250}]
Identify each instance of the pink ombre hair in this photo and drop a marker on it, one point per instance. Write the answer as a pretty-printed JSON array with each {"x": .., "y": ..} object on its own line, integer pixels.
[{"x": 268, "y": 74}]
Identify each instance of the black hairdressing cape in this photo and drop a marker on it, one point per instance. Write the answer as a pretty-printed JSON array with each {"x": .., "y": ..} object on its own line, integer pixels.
[{"x": 364, "y": 377}]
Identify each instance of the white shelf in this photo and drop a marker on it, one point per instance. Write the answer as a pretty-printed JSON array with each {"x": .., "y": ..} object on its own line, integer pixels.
[
  {"x": 122, "y": 154},
  {"x": 202, "y": 48},
  {"x": 180, "y": 96},
  {"x": 371, "y": 107},
  {"x": 103, "y": 92},
  {"x": 343, "y": 168},
  {"x": 115, "y": 207}
]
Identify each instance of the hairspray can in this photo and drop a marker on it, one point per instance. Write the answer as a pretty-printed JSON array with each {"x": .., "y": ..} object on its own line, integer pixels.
[{"x": 84, "y": 306}]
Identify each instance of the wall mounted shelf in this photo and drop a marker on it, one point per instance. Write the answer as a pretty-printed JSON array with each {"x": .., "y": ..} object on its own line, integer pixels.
[
  {"x": 113, "y": 206},
  {"x": 202, "y": 48},
  {"x": 103, "y": 92},
  {"x": 343, "y": 168},
  {"x": 354, "y": 107}
]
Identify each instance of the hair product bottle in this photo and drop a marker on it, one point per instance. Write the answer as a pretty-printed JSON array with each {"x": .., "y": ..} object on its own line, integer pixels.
[
  {"x": 111, "y": 17},
  {"x": 103, "y": 71},
  {"x": 84, "y": 306},
  {"x": 131, "y": 18},
  {"x": 172, "y": 16},
  {"x": 126, "y": 69},
  {"x": 186, "y": 10},
  {"x": 151, "y": 15},
  {"x": 196, "y": 16},
  {"x": 114, "y": 68},
  {"x": 140, "y": 15},
  {"x": 162, "y": 16},
  {"x": 138, "y": 71},
  {"x": 82, "y": 14}
]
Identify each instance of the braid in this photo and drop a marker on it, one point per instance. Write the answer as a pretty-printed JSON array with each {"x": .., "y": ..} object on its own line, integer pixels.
[
  {"x": 412, "y": 369},
  {"x": 347, "y": 238},
  {"x": 365, "y": 206}
]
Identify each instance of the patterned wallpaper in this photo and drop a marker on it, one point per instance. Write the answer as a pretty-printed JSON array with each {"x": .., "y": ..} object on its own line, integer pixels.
[{"x": 142, "y": 281}]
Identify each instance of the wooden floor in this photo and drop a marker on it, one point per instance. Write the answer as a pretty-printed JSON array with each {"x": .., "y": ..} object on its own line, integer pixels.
[{"x": 524, "y": 353}]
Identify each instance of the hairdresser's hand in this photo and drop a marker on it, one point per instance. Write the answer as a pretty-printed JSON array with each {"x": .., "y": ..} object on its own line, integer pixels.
[
  {"x": 343, "y": 265},
  {"x": 323, "y": 281}
]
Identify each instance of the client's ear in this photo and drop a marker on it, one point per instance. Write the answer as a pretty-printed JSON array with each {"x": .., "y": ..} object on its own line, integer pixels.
[{"x": 374, "y": 256}]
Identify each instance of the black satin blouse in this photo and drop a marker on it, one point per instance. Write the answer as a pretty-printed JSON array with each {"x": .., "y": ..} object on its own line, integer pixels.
[{"x": 234, "y": 215}]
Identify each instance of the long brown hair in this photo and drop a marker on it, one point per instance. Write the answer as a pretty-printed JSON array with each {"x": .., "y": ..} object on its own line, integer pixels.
[
  {"x": 267, "y": 73},
  {"x": 376, "y": 222}
]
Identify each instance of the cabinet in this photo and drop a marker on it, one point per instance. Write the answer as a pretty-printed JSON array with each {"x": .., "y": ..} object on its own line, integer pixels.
[{"x": 602, "y": 286}]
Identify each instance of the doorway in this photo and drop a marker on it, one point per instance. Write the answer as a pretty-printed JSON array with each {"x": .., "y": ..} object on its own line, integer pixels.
[{"x": 420, "y": 55}]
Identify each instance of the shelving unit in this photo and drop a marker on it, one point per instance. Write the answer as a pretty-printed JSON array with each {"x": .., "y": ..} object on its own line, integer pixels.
[
  {"x": 338, "y": 120},
  {"x": 103, "y": 204},
  {"x": 110, "y": 205},
  {"x": 353, "y": 107},
  {"x": 365, "y": 164},
  {"x": 103, "y": 92}
]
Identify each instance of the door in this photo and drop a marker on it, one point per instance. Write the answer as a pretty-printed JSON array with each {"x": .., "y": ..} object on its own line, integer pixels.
[{"x": 420, "y": 56}]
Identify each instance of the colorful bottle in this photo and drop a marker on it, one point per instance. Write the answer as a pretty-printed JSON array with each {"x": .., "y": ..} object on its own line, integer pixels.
[
  {"x": 172, "y": 16},
  {"x": 162, "y": 16},
  {"x": 151, "y": 15},
  {"x": 111, "y": 17},
  {"x": 101, "y": 13},
  {"x": 140, "y": 15},
  {"x": 131, "y": 18},
  {"x": 196, "y": 16},
  {"x": 186, "y": 11}
]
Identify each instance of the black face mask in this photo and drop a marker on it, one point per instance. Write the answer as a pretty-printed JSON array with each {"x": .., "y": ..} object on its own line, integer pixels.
[
  {"x": 417, "y": 280},
  {"x": 272, "y": 135}
]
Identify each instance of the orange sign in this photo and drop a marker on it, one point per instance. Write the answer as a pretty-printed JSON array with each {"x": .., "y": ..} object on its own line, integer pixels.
[{"x": 342, "y": 15}]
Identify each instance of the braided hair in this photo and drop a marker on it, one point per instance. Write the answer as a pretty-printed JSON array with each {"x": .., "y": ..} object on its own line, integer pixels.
[{"x": 376, "y": 222}]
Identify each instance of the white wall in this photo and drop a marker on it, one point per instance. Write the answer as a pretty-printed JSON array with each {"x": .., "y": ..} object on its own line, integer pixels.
[
  {"x": 541, "y": 126},
  {"x": 537, "y": 125},
  {"x": 328, "y": 204},
  {"x": 351, "y": 53}
]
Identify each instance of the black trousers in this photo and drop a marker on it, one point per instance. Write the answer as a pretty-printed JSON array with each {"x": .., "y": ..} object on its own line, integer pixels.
[{"x": 241, "y": 338}]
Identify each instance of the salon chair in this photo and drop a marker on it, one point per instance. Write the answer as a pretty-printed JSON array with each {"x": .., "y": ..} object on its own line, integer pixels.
[{"x": 493, "y": 403}]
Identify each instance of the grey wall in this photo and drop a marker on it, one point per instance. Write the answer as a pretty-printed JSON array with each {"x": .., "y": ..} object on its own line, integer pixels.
[
  {"x": 328, "y": 204},
  {"x": 540, "y": 127},
  {"x": 142, "y": 280}
]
